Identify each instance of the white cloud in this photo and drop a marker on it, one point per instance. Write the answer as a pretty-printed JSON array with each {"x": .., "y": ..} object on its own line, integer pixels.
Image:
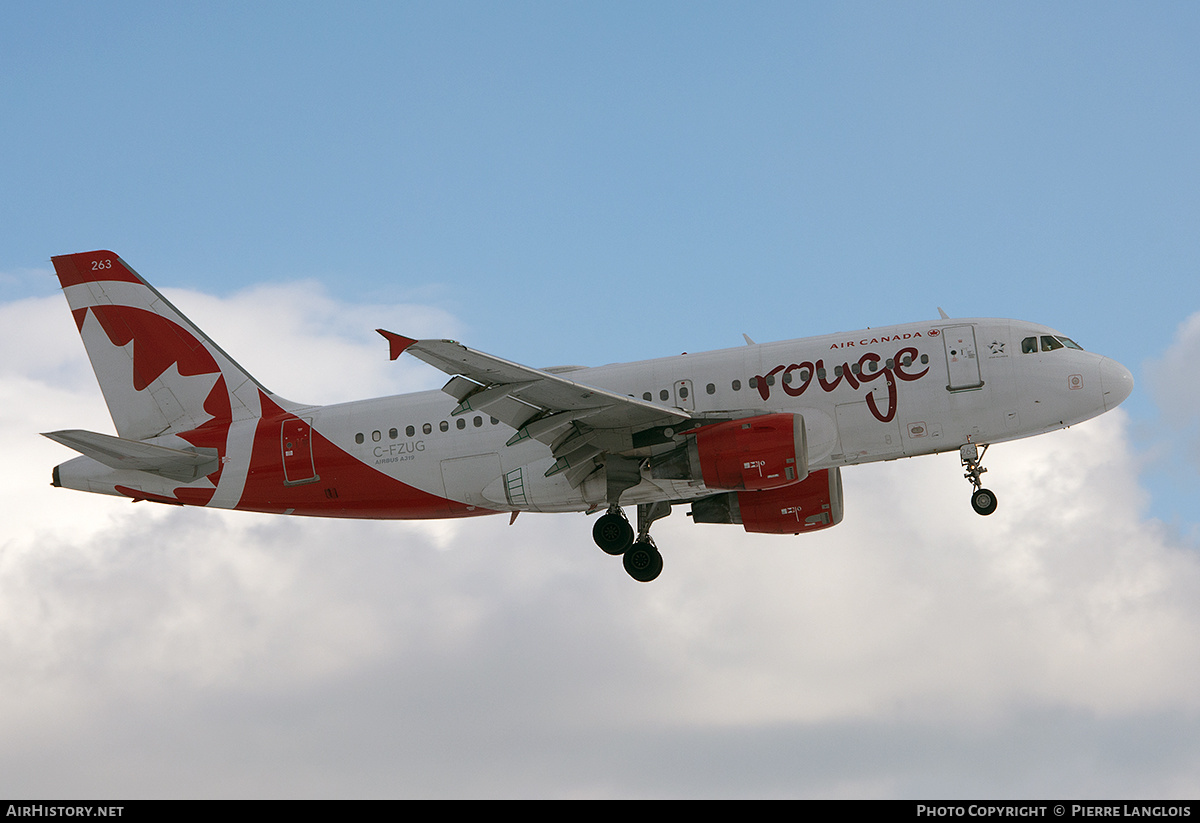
[
  {"x": 914, "y": 649},
  {"x": 1178, "y": 397},
  {"x": 300, "y": 342},
  {"x": 1177, "y": 393}
]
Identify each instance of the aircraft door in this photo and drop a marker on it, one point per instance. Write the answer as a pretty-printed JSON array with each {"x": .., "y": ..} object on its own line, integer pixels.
[
  {"x": 962, "y": 359},
  {"x": 295, "y": 442}
]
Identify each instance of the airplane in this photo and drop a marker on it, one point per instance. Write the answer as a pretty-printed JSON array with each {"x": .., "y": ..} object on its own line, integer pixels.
[{"x": 754, "y": 435}]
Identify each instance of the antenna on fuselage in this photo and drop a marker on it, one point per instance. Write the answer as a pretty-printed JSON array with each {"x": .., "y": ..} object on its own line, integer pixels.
[
  {"x": 942, "y": 312},
  {"x": 749, "y": 342}
]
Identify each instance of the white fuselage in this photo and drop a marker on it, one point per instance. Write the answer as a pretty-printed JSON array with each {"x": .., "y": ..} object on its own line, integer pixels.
[
  {"x": 754, "y": 435},
  {"x": 876, "y": 394}
]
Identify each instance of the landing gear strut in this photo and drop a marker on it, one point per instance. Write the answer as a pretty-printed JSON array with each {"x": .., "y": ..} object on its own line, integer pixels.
[
  {"x": 615, "y": 535},
  {"x": 971, "y": 456}
]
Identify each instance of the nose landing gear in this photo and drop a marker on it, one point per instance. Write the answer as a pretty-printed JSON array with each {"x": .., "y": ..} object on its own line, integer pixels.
[{"x": 971, "y": 456}]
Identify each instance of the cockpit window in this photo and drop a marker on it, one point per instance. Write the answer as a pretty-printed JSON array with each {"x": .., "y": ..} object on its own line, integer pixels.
[{"x": 1050, "y": 342}]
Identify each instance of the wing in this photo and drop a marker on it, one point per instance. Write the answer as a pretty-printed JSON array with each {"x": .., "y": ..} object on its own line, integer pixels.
[{"x": 579, "y": 422}]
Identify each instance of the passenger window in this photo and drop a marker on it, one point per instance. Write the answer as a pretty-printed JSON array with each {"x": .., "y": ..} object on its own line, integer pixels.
[
  {"x": 710, "y": 388},
  {"x": 683, "y": 392},
  {"x": 478, "y": 421},
  {"x": 461, "y": 423},
  {"x": 924, "y": 359},
  {"x": 1029, "y": 345},
  {"x": 1049, "y": 343},
  {"x": 376, "y": 436},
  {"x": 358, "y": 438},
  {"x": 393, "y": 433},
  {"x": 494, "y": 421},
  {"x": 444, "y": 426},
  {"x": 427, "y": 428},
  {"x": 409, "y": 431}
]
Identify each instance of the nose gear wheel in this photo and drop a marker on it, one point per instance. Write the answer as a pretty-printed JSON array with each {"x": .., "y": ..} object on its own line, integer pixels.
[{"x": 971, "y": 456}]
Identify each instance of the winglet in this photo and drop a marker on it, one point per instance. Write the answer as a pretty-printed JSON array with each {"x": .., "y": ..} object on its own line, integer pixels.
[{"x": 397, "y": 342}]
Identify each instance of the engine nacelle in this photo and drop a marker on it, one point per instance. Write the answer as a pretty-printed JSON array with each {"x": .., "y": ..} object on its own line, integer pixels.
[
  {"x": 763, "y": 452},
  {"x": 814, "y": 503}
]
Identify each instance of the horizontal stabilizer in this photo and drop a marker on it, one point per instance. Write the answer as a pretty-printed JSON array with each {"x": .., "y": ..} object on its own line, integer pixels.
[{"x": 118, "y": 453}]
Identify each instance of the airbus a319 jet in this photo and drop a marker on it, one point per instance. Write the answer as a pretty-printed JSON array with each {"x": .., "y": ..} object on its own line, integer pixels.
[{"x": 755, "y": 435}]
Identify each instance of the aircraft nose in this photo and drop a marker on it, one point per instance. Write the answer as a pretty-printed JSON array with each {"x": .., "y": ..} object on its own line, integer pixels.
[{"x": 1115, "y": 382}]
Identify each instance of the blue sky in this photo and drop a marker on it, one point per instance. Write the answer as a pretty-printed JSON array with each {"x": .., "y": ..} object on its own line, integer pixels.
[
  {"x": 661, "y": 177},
  {"x": 597, "y": 182},
  {"x": 682, "y": 170}
]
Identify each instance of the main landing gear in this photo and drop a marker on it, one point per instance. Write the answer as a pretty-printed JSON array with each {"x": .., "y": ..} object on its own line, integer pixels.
[
  {"x": 615, "y": 535},
  {"x": 982, "y": 500},
  {"x": 612, "y": 531}
]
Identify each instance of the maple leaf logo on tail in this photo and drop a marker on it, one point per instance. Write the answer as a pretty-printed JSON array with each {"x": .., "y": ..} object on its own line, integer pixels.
[{"x": 160, "y": 374}]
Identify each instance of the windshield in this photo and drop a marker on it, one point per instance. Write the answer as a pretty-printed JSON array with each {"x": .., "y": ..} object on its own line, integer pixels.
[{"x": 1049, "y": 342}]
